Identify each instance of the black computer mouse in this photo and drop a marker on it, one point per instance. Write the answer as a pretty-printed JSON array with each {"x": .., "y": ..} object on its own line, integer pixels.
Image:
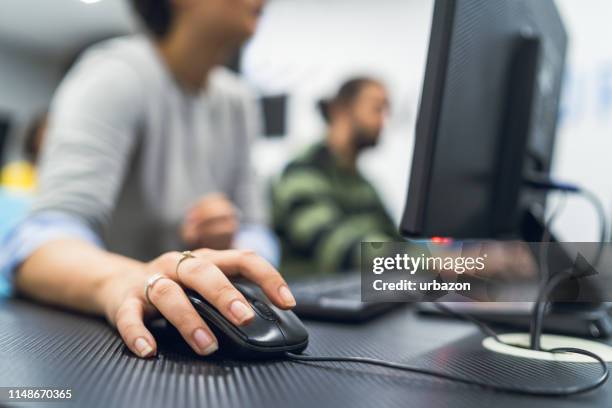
[{"x": 270, "y": 334}]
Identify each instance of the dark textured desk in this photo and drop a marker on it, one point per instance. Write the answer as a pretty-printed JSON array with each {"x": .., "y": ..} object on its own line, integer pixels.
[{"x": 47, "y": 347}]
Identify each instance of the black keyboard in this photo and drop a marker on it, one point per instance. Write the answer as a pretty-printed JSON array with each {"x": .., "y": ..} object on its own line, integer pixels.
[{"x": 336, "y": 298}]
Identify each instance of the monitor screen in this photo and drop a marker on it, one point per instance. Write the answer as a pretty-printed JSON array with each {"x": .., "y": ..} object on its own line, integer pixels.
[{"x": 488, "y": 114}]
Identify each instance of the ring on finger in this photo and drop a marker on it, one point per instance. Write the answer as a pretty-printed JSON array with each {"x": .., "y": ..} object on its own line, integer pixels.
[
  {"x": 184, "y": 255},
  {"x": 150, "y": 282}
]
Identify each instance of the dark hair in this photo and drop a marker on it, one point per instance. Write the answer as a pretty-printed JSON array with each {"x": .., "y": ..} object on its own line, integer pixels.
[
  {"x": 32, "y": 144},
  {"x": 346, "y": 95},
  {"x": 156, "y": 15}
]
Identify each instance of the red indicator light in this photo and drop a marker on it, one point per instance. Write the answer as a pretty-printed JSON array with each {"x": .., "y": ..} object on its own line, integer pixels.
[{"x": 441, "y": 240}]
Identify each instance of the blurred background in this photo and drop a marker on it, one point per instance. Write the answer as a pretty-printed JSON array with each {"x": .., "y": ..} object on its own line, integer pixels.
[{"x": 302, "y": 51}]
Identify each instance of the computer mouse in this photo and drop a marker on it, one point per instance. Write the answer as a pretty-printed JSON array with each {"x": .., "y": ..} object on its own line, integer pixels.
[{"x": 270, "y": 334}]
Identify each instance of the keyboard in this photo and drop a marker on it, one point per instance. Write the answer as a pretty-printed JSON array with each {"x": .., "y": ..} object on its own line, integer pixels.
[{"x": 336, "y": 298}]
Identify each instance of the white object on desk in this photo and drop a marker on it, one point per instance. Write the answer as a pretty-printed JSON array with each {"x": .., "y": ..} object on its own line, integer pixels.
[{"x": 549, "y": 341}]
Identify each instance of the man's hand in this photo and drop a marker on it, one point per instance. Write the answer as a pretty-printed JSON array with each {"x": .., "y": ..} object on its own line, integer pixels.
[
  {"x": 211, "y": 223},
  {"x": 126, "y": 307}
]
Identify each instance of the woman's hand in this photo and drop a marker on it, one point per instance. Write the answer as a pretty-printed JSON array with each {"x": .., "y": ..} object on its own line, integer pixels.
[{"x": 126, "y": 308}]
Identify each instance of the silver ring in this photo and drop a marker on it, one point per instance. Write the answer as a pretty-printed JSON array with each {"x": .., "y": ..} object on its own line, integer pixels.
[
  {"x": 150, "y": 282},
  {"x": 184, "y": 255}
]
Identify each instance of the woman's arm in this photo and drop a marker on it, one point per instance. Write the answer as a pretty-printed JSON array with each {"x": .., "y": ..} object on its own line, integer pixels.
[
  {"x": 78, "y": 275},
  {"x": 54, "y": 274}
]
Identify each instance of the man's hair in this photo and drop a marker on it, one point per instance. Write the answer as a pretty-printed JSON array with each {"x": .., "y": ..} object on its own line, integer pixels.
[
  {"x": 346, "y": 95},
  {"x": 156, "y": 15}
]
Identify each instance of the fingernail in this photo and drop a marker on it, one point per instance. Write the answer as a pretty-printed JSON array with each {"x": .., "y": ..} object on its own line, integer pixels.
[
  {"x": 143, "y": 347},
  {"x": 286, "y": 295},
  {"x": 205, "y": 342},
  {"x": 241, "y": 311}
]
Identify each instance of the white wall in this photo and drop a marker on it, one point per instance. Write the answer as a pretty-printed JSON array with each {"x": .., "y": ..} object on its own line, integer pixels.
[
  {"x": 308, "y": 47},
  {"x": 584, "y": 149}
]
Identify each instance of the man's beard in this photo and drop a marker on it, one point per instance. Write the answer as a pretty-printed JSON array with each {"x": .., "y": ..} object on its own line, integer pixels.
[{"x": 364, "y": 139}]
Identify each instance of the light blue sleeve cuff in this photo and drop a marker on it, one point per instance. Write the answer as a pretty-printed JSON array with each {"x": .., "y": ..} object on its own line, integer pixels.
[
  {"x": 36, "y": 231},
  {"x": 260, "y": 239}
]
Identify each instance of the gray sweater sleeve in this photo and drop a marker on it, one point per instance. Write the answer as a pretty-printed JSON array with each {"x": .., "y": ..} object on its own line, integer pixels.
[{"x": 92, "y": 131}]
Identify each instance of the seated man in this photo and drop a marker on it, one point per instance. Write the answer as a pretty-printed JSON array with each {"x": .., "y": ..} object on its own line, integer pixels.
[{"x": 323, "y": 207}]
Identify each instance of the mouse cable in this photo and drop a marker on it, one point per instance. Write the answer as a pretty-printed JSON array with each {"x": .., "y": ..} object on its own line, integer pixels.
[
  {"x": 487, "y": 330},
  {"x": 525, "y": 390}
]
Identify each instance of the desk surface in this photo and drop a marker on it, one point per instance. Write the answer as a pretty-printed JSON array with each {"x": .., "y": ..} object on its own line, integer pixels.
[{"x": 47, "y": 347}]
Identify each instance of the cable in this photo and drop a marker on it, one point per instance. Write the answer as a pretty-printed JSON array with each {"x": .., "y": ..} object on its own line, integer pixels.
[
  {"x": 543, "y": 182},
  {"x": 487, "y": 330},
  {"x": 540, "y": 307},
  {"x": 535, "y": 335},
  {"x": 538, "y": 315},
  {"x": 547, "y": 235},
  {"x": 601, "y": 213},
  {"x": 527, "y": 390},
  {"x": 541, "y": 302},
  {"x": 544, "y": 293}
]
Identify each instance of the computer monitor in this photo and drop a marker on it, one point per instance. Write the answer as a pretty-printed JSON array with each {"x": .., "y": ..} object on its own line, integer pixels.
[
  {"x": 487, "y": 118},
  {"x": 486, "y": 127}
]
